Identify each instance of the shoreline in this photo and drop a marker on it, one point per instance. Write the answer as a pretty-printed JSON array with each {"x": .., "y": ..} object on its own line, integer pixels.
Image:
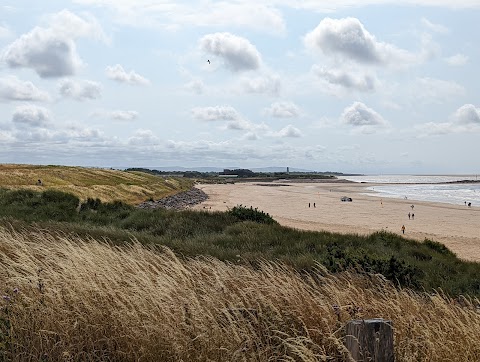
[{"x": 455, "y": 226}]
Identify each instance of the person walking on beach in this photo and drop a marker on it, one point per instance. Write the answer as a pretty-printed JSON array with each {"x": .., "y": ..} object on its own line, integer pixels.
[
  {"x": 308, "y": 204},
  {"x": 413, "y": 216},
  {"x": 403, "y": 229},
  {"x": 408, "y": 216},
  {"x": 314, "y": 205}
]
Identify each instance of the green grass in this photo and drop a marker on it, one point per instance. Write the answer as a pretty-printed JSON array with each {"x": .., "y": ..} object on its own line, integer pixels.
[{"x": 246, "y": 236}]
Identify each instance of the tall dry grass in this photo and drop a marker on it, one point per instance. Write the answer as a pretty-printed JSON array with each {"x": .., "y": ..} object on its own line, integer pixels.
[
  {"x": 106, "y": 184},
  {"x": 71, "y": 299}
]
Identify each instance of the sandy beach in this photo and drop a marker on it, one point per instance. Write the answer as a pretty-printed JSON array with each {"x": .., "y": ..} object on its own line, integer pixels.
[{"x": 458, "y": 227}]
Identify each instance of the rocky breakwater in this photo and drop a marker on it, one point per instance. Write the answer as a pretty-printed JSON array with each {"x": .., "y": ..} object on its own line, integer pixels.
[{"x": 179, "y": 201}]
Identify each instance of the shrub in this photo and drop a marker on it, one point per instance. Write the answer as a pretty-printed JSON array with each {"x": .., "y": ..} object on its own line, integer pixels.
[{"x": 243, "y": 213}]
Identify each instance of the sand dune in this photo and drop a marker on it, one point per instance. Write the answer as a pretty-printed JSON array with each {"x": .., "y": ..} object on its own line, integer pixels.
[{"x": 458, "y": 227}]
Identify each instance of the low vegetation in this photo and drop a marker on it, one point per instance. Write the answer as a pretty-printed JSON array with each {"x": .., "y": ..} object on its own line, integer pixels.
[
  {"x": 71, "y": 298},
  {"x": 105, "y": 184},
  {"x": 246, "y": 235},
  {"x": 86, "y": 275}
]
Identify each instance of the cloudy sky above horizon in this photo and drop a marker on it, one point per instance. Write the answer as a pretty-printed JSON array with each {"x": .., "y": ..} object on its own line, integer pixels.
[{"x": 382, "y": 87}]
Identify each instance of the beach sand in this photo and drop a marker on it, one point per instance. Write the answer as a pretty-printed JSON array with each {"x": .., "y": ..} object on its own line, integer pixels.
[{"x": 456, "y": 226}]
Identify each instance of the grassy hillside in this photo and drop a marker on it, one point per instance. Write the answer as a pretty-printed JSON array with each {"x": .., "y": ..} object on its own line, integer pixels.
[
  {"x": 247, "y": 235},
  {"x": 105, "y": 184},
  {"x": 74, "y": 299}
]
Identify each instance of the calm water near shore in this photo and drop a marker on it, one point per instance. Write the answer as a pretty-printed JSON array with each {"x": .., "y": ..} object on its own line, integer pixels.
[{"x": 424, "y": 188}]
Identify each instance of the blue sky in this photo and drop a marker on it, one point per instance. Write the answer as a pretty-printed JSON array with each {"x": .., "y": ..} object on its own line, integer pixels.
[{"x": 382, "y": 87}]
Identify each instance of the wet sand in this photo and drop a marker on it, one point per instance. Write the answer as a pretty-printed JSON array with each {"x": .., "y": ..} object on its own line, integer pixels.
[{"x": 456, "y": 226}]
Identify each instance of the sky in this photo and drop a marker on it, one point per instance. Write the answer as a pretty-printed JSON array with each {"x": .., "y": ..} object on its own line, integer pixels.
[{"x": 378, "y": 87}]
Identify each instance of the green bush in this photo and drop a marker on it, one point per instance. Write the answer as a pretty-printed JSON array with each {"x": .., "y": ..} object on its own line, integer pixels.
[{"x": 243, "y": 213}]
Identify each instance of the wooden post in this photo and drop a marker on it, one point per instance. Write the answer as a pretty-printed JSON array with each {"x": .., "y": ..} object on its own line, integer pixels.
[{"x": 370, "y": 340}]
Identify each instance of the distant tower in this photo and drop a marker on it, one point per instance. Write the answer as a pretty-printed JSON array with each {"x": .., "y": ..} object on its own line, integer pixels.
[{"x": 288, "y": 170}]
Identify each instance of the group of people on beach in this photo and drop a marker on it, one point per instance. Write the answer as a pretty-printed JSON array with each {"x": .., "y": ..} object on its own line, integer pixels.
[{"x": 411, "y": 216}]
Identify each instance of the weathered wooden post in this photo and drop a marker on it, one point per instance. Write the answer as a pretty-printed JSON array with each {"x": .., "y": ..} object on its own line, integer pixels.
[{"x": 370, "y": 340}]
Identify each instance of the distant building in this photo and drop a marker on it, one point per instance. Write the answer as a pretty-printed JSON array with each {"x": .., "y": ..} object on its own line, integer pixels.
[{"x": 288, "y": 170}]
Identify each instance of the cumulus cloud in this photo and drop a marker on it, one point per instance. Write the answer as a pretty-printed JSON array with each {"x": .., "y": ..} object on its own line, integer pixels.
[
  {"x": 51, "y": 51},
  {"x": 464, "y": 119},
  {"x": 142, "y": 137},
  {"x": 124, "y": 115},
  {"x": 237, "y": 53},
  {"x": 31, "y": 116},
  {"x": 240, "y": 125},
  {"x": 457, "y": 60},
  {"x": 359, "y": 115},
  {"x": 14, "y": 89},
  {"x": 348, "y": 38},
  {"x": 250, "y": 136},
  {"x": 80, "y": 90},
  {"x": 289, "y": 131},
  {"x": 468, "y": 114},
  {"x": 264, "y": 84},
  {"x": 216, "y": 113},
  {"x": 283, "y": 110},
  {"x": 116, "y": 115},
  {"x": 117, "y": 73},
  {"x": 357, "y": 81}
]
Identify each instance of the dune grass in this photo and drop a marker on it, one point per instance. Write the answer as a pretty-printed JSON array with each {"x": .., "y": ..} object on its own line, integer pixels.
[
  {"x": 105, "y": 184},
  {"x": 71, "y": 298},
  {"x": 246, "y": 235}
]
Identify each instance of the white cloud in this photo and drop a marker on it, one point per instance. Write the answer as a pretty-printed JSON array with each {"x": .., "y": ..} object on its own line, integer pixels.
[
  {"x": 237, "y": 53},
  {"x": 264, "y": 84},
  {"x": 217, "y": 113},
  {"x": 457, "y": 60},
  {"x": 289, "y": 131},
  {"x": 233, "y": 120},
  {"x": 173, "y": 15},
  {"x": 359, "y": 115},
  {"x": 124, "y": 115},
  {"x": 116, "y": 115},
  {"x": 73, "y": 26},
  {"x": 437, "y": 28},
  {"x": 117, "y": 73},
  {"x": 80, "y": 90},
  {"x": 250, "y": 136},
  {"x": 13, "y": 89},
  {"x": 283, "y": 110},
  {"x": 465, "y": 119},
  {"x": 221, "y": 14},
  {"x": 143, "y": 137},
  {"x": 354, "y": 80},
  {"x": 240, "y": 125},
  {"x": 78, "y": 133},
  {"x": 468, "y": 114},
  {"x": 51, "y": 52},
  {"x": 349, "y": 39},
  {"x": 31, "y": 116}
]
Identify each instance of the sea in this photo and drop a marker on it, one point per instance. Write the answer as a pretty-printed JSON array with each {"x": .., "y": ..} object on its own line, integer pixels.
[{"x": 433, "y": 188}]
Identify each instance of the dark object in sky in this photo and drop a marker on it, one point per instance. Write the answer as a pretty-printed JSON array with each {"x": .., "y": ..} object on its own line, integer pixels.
[{"x": 208, "y": 60}]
